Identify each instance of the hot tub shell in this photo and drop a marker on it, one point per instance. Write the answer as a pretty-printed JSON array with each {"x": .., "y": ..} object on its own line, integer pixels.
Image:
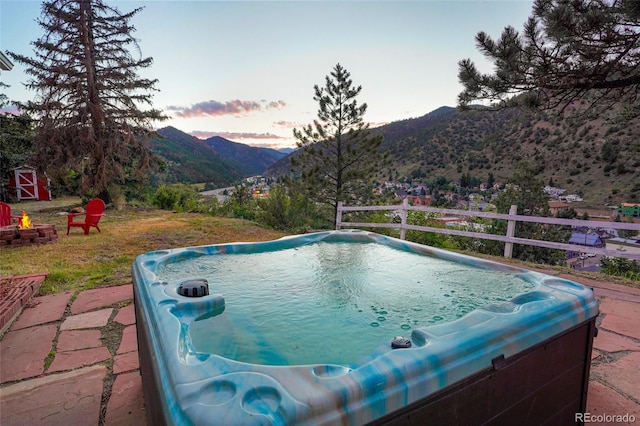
[{"x": 525, "y": 360}]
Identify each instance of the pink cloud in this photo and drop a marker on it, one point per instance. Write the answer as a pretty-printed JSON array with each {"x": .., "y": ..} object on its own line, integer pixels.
[
  {"x": 287, "y": 124},
  {"x": 11, "y": 110},
  {"x": 215, "y": 108},
  {"x": 204, "y": 134},
  {"x": 276, "y": 105}
]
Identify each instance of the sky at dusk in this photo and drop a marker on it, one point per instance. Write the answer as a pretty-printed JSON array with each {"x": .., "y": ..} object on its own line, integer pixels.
[{"x": 245, "y": 70}]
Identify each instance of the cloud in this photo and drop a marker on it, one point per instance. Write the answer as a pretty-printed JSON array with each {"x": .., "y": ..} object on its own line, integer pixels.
[
  {"x": 287, "y": 124},
  {"x": 205, "y": 134},
  {"x": 215, "y": 108},
  {"x": 11, "y": 110},
  {"x": 276, "y": 105},
  {"x": 373, "y": 125}
]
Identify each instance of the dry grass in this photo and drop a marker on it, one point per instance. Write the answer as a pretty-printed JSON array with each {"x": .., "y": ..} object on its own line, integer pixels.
[{"x": 78, "y": 262}]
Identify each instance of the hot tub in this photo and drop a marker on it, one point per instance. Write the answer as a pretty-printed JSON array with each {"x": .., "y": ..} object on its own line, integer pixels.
[{"x": 352, "y": 327}]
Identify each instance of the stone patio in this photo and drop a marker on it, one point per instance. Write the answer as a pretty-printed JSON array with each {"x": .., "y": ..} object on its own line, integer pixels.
[
  {"x": 68, "y": 362},
  {"x": 72, "y": 361}
]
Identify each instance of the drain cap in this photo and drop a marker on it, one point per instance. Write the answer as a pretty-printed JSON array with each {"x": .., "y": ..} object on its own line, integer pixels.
[
  {"x": 194, "y": 288},
  {"x": 400, "y": 342}
]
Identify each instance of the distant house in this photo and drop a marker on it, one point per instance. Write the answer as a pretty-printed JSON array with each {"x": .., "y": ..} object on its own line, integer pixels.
[
  {"x": 420, "y": 200},
  {"x": 629, "y": 209},
  {"x": 557, "y": 206},
  {"x": 554, "y": 192},
  {"x": 401, "y": 193},
  {"x": 589, "y": 240},
  {"x": 571, "y": 198},
  {"x": 584, "y": 239}
]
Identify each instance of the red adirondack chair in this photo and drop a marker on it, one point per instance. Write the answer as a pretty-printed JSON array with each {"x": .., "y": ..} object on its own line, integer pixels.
[
  {"x": 93, "y": 212},
  {"x": 5, "y": 214}
]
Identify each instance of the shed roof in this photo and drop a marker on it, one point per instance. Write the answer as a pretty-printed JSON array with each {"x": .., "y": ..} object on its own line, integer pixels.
[{"x": 580, "y": 238}]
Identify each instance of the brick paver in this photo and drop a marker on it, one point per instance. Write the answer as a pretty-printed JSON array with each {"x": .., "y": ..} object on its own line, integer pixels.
[
  {"x": 98, "y": 298},
  {"x": 621, "y": 316},
  {"x": 602, "y": 400},
  {"x": 126, "y": 315},
  {"x": 125, "y": 362},
  {"x": 43, "y": 309},
  {"x": 126, "y": 405},
  {"x": 17, "y": 291},
  {"x": 129, "y": 340},
  {"x": 89, "y": 320},
  {"x": 78, "y": 339},
  {"x": 65, "y": 399},
  {"x": 612, "y": 342},
  {"x": 80, "y": 358},
  {"x": 23, "y": 352},
  {"x": 622, "y": 374}
]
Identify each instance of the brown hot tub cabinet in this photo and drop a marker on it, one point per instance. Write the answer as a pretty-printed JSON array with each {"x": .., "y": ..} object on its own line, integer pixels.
[{"x": 544, "y": 385}]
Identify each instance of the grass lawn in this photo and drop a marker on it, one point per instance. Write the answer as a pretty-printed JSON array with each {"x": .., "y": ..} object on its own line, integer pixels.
[{"x": 80, "y": 262}]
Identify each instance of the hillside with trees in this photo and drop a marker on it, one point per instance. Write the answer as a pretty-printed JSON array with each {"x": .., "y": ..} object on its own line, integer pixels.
[
  {"x": 250, "y": 160},
  {"x": 216, "y": 160},
  {"x": 595, "y": 155},
  {"x": 190, "y": 160}
]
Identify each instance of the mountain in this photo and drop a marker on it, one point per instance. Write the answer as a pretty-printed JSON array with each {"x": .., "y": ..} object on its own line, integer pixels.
[
  {"x": 191, "y": 160},
  {"x": 595, "y": 155},
  {"x": 250, "y": 160},
  {"x": 216, "y": 160}
]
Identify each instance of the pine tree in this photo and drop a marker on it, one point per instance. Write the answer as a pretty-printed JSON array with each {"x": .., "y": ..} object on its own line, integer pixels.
[
  {"x": 526, "y": 191},
  {"x": 339, "y": 156},
  {"x": 88, "y": 95},
  {"x": 568, "y": 51}
]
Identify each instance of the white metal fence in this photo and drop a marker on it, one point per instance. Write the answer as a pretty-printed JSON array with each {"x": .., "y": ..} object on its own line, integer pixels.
[{"x": 509, "y": 239}]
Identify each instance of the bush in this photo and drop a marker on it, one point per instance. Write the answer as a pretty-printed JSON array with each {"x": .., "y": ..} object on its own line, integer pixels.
[
  {"x": 428, "y": 238},
  {"x": 621, "y": 267},
  {"x": 180, "y": 197},
  {"x": 286, "y": 211}
]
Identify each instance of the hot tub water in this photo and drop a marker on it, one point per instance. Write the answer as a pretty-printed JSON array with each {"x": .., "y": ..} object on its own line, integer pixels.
[{"x": 331, "y": 302}]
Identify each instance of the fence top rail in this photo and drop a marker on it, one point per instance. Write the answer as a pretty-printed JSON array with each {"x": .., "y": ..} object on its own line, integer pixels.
[
  {"x": 494, "y": 237},
  {"x": 519, "y": 218}
]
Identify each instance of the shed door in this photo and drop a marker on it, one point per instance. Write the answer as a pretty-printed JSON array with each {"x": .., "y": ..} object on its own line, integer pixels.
[{"x": 26, "y": 185}]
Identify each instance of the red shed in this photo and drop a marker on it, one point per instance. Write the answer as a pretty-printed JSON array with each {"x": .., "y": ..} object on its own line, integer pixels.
[{"x": 26, "y": 184}]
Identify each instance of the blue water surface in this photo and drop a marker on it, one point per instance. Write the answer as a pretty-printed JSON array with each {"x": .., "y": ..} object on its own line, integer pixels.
[{"x": 331, "y": 302}]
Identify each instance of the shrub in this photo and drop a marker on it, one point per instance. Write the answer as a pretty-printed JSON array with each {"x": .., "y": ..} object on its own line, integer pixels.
[
  {"x": 180, "y": 197},
  {"x": 287, "y": 211},
  {"x": 621, "y": 267}
]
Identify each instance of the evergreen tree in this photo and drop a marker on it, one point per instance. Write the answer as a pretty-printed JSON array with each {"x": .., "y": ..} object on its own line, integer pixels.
[
  {"x": 89, "y": 96},
  {"x": 569, "y": 50},
  {"x": 16, "y": 143},
  {"x": 526, "y": 191},
  {"x": 491, "y": 180},
  {"x": 339, "y": 156}
]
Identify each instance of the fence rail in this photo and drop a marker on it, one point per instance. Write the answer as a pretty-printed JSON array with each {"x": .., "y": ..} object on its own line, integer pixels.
[{"x": 509, "y": 239}]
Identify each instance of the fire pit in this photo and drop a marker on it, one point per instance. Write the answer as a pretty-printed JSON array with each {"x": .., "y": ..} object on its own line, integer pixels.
[{"x": 26, "y": 233}]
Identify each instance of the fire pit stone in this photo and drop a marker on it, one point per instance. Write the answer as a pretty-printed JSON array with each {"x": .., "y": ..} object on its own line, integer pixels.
[{"x": 12, "y": 236}]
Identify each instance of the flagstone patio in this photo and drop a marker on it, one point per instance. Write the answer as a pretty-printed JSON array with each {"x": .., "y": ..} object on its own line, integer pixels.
[{"x": 75, "y": 361}]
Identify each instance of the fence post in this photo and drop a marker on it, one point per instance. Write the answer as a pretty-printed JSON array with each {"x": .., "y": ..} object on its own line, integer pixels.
[
  {"x": 403, "y": 218},
  {"x": 339, "y": 215},
  {"x": 511, "y": 230}
]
